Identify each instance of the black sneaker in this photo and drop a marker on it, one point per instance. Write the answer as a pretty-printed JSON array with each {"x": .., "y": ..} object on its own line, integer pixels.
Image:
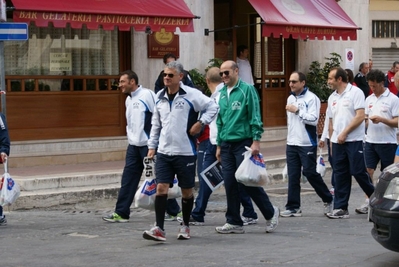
[
  {"x": 194, "y": 222},
  {"x": 3, "y": 220},
  {"x": 338, "y": 214}
]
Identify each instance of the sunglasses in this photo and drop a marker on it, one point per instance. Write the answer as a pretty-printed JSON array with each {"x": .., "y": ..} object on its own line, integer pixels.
[
  {"x": 170, "y": 75},
  {"x": 226, "y": 72},
  {"x": 293, "y": 81}
]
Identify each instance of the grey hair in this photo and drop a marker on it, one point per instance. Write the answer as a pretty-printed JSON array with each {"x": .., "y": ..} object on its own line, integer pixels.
[{"x": 175, "y": 65}]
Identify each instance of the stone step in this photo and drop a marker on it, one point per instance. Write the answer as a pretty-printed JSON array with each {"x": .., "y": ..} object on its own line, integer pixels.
[{"x": 75, "y": 189}]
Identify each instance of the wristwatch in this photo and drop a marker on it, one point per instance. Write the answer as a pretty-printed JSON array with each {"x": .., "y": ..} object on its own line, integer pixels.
[{"x": 202, "y": 123}]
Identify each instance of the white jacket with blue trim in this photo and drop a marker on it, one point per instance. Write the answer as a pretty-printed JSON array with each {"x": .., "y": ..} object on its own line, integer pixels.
[
  {"x": 172, "y": 120},
  {"x": 302, "y": 127},
  {"x": 139, "y": 109}
]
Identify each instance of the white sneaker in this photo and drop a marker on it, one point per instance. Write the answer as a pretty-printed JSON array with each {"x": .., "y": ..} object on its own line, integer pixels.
[
  {"x": 328, "y": 208},
  {"x": 230, "y": 229},
  {"x": 272, "y": 224},
  {"x": 248, "y": 221}
]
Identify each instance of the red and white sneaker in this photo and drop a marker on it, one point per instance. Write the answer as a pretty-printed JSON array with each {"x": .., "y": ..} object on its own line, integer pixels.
[
  {"x": 184, "y": 232},
  {"x": 155, "y": 234}
]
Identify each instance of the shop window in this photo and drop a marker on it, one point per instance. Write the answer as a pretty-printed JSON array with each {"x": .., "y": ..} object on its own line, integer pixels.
[{"x": 62, "y": 52}]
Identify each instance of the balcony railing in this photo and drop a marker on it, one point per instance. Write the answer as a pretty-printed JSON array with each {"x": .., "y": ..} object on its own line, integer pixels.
[{"x": 37, "y": 83}]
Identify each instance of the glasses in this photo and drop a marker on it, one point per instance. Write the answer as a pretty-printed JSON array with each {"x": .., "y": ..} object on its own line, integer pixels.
[
  {"x": 170, "y": 75},
  {"x": 226, "y": 72},
  {"x": 292, "y": 81}
]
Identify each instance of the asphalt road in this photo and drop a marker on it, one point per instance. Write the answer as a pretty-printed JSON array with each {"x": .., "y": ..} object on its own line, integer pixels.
[{"x": 77, "y": 236}]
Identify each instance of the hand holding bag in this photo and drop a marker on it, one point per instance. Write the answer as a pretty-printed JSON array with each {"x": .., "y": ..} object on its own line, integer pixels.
[
  {"x": 9, "y": 189},
  {"x": 145, "y": 195},
  {"x": 252, "y": 170}
]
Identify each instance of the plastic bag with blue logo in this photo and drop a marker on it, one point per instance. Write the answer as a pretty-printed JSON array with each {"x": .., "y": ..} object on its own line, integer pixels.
[
  {"x": 252, "y": 170},
  {"x": 145, "y": 195},
  {"x": 9, "y": 189},
  {"x": 321, "y": 166}
]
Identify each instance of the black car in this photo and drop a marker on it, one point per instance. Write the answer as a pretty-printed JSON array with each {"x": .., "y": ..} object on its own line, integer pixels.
[{"x": 384, "y": 208}]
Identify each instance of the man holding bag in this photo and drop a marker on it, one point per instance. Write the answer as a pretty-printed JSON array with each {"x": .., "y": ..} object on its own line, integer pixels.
[
  {"x": 175, "y": 125},
  {"x": 4, "y": 152},
  {"x": 239, "y": 125},
  {"x": 303, "y": 109},
  {"x": 140, "y": 104}
]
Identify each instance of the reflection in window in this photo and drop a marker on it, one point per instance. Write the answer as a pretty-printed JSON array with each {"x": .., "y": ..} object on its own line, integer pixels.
[{"x": 63, "y": 51}]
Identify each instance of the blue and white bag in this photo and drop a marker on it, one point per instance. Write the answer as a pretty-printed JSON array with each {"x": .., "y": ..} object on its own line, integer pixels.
[{"x": 252, "y": 170}]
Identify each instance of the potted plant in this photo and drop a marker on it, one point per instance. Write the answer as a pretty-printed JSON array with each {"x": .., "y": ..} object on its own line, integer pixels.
[
  {"x": 316, "y": 80},
  {"x": 199, "y": 78}
]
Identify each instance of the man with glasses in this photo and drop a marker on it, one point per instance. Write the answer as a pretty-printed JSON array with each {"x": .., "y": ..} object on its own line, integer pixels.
[
  {"x": 303, "y": 110},
  {"x": 140, "y": 104},
  {"x": 175, "y": 125},
  {"x": 159, "y": 84},
  {"x": 239, "y": 125}
]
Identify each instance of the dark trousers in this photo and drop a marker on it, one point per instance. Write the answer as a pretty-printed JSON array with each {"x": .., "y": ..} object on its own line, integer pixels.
[
  {"x": 205, "y": 192},
  {"x": 303, "y": 158},
  {"x": 231, "y": 156},
  {"x": 130, "y": 179},
  {"x": 331, "y": 160},
  {"x": 348, "y": 162}
]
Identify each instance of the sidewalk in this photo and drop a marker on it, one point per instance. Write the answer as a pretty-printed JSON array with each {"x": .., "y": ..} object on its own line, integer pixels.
[{"x": 275, "y": 152}]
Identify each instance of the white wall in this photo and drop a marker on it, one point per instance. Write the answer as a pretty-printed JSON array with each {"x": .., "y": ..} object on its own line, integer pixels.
[
  {"x": 195, "y": 48},
  {"x": 309, "y": 51}
]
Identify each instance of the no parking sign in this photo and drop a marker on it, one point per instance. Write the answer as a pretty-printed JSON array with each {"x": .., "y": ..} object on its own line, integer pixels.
[{"x": 349, "y": 59}]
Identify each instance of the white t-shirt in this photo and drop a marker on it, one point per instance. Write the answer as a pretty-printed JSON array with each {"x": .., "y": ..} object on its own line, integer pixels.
[
  {"x": 342, "y": 109},
  {"x": 245, "y": 71},
  {"x": 386, "y": 106}
]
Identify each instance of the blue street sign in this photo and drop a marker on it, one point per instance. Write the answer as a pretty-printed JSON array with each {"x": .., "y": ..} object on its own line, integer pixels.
[{"x": 13, "y": 31}]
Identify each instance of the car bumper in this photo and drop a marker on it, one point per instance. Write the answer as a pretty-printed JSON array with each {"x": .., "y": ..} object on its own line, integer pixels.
[{"x": 386, "y": 228}]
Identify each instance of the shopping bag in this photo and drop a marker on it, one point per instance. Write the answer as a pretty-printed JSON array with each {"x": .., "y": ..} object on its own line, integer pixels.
[
  {"x": 9, "y": 189},
  {"x": 175, "y": 190},
  {"x": 252, "y": 170},
  {"x": 321, "y": 167},
  {"x": 285, "y": 174},
  {"x": 304, "y": 180},
  {"x": 145, "y": 195}
]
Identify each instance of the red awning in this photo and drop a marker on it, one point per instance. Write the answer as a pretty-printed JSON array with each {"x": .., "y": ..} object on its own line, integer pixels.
[
  {"x": 157, "y": 14},
  {"x": 305, "y": 19}
]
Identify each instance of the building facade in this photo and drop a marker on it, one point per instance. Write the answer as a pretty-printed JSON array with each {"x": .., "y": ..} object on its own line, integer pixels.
[{"x": 62, "y": 82}]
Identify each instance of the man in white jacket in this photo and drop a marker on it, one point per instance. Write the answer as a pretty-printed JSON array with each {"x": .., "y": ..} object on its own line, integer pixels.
[
  {"x": 303, "y": 110},
  {"x": 140, "y": 104}
]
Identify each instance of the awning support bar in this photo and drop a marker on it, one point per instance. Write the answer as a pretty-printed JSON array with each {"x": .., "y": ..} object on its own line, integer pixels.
[{"x": 207, "y": 31}]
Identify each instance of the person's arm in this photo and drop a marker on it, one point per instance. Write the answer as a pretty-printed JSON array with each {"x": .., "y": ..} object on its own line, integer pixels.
[
  {"x": 4, "y": 139},
  {"x": 255, "y": 119}
]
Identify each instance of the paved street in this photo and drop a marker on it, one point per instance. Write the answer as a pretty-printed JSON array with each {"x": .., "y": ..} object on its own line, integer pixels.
[{"x": 77, "y": 236}]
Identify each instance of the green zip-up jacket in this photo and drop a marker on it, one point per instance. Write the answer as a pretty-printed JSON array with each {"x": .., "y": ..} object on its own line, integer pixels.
[{"x": 239, "y": 114}]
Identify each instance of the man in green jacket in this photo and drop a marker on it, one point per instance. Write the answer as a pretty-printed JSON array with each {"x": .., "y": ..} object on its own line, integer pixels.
[{"x": 239, "y": 125}]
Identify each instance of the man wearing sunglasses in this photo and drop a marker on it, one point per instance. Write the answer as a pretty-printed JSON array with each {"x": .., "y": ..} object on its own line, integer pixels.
[
  {"x": 303, "y": 110},
  {"x": 175, "y": 125},
  {"x": 159, "y": 84},
  {"x": 239, "y": 125}
]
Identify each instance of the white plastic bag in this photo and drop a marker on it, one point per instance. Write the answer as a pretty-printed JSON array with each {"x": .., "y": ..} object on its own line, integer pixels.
[
  {"x": 285, "y": 174},
  {"x": 145, "y": 195},
  {"x": 304, "y": 180},
  {"x": 175, "y": 191},
  {"x": 321, "y": 166},
  {"x": 9, "y": 189},
  {"x": 252, "y": 170}
]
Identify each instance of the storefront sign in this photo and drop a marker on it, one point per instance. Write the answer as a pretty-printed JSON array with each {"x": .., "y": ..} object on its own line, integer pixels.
[
  {"x": 274, "y": 54},
  {"x": 60, "y": 62},
  {"x": 124, "y": 22},
  {"x": 161, "y": 43}
]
